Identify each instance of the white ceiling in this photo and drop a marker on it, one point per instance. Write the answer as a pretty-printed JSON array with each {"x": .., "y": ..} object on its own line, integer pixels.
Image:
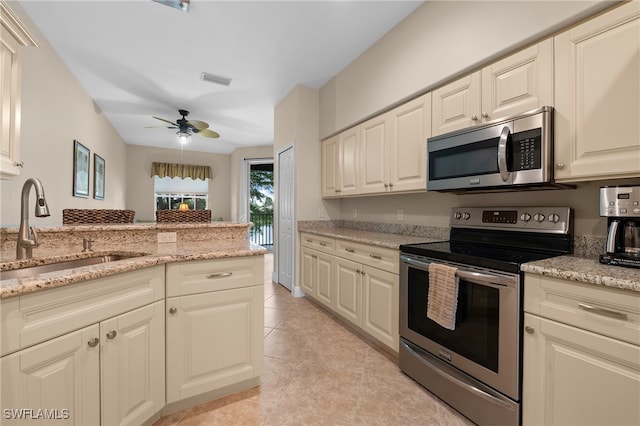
[{"x": 139, "y": 58}]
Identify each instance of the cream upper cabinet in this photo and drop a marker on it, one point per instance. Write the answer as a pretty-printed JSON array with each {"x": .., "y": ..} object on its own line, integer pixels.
[
  {"x": 516, "y": 84},
  {"x": 349, "y": 162},
  {"x": 409, "y": 127},
  {"x": 374, "y": 167},
  {"x": 597, "y": 97},
  {"x": 457, "y": 104},
  {"x": 13, "y": 36},
  {"x": 329, "y": 160},
  {"x": 62, "y": 374},
  {"x": 581, "y": 358}
]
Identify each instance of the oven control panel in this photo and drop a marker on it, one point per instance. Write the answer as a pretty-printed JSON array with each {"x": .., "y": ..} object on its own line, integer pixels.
[{"x": 529, "y": 219}]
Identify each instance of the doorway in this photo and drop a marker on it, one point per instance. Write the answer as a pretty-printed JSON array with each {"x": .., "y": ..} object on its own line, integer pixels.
[
  {"x": 285, "y": 218},
  {"x": 258, "y": 200}
]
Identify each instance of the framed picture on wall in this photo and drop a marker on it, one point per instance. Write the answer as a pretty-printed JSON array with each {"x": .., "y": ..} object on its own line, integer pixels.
[
  {"x": 80, "y": 170},
  {"x": 98, "y": 177}
]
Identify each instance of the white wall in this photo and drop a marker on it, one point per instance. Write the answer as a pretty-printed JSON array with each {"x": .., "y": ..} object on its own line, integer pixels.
[
  {"x": 140, "y": 185},
  {"x": 438, "y": 41},
  {"x": 56, "y": 110}
]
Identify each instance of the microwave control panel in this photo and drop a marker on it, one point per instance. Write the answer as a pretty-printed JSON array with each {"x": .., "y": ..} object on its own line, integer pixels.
[
  {"x": 526, "y": 150},
  {"x": 620, "y": 201}
]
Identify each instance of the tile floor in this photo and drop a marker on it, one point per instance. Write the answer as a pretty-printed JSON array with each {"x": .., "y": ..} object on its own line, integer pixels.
[{"x": 317, "y": 372}]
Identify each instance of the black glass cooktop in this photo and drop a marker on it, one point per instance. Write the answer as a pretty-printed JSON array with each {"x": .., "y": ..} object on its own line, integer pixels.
[{"x": 501, "y": 258}]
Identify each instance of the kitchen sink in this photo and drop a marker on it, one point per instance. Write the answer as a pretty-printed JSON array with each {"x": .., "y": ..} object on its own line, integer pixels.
[{"x": 62, "y": 265}]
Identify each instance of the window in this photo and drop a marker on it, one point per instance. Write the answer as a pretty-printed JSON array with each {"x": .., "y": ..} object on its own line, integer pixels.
[{"x": 171, "y": 192}]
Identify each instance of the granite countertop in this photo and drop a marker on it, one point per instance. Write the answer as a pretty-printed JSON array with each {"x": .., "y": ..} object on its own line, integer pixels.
[
  {"x": 134, "y": 227},
  {"x": 382, "y": 239},
  {"x": 145, "y": 255},
  {"x": 587, "y": 270}
]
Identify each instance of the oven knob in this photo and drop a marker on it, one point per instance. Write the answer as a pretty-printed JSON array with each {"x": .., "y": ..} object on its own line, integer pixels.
[
  {"x": 526, "y": 217},
  {"x": 466, "y": 216},
  {"x": 554, "y": 218},
  {"x": 539, "y": 217},
  {"x": 457, "y": 215}
]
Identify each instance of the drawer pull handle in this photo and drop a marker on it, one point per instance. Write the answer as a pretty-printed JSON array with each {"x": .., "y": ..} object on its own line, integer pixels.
[
  {"x": 93, "y": 342},
  {"x": 322, "y": 243},
  {"x": 602, "y": 311},
  {"x": 219, "y": 275},
  {"x": 375, "y": 256},
  {"x": 112, "y": 334},
  {"x": 309, "y": 241},
  {"x": 350, "y": 250}
]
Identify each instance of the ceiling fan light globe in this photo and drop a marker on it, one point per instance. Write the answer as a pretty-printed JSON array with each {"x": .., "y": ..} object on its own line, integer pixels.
[{"x": 184, "y": 137}]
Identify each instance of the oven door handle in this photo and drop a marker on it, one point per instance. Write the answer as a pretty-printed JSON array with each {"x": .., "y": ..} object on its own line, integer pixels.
[{"x": 495, "y": 281}]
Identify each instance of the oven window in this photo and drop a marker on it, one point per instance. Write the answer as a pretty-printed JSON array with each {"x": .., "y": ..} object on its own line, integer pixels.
[{"x": 477, "y": 319}]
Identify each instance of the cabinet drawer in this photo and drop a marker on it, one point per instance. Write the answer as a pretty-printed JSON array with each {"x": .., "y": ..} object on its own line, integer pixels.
[
  {"x": 378, "y": 257},
  {"x": 608, "y": 311},
  {"x": 318, "y": 242},
  {"x": 36, "y": 317},
  {"x": 201, "y": 276}
]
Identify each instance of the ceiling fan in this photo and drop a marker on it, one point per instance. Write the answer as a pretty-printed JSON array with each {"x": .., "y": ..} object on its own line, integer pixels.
[{"x": 188, "y": 127}]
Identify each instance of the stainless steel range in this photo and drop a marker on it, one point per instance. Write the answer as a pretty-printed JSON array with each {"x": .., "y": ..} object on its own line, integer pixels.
[{"x": 476, "y": 367}]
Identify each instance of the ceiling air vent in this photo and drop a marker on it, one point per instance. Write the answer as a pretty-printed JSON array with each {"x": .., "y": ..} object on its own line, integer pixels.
[{"x": 212, "y": 78}]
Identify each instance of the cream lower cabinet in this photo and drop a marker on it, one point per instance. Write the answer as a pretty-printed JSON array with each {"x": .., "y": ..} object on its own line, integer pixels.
[
  {"x": 356, "y": 281},
  {"x": 110, "y": 372},
  {"x": 215, "y": 336},
  {"x": 597, "y": 97},
  {"x": 581, "y": 354}
]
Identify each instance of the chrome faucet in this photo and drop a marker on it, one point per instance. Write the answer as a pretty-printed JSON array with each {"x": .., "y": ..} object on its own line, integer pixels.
[{"x": 27, "y": 236}]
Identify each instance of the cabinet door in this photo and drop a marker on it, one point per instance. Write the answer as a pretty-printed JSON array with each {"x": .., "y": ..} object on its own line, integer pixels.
[
  {"x": 330, "y": 167},
  {"x": 213, "y": 340},
  {"x": 409, "y": 128},
  {"x": 308, "y": 282},
  {"x": 61, "y": 375},
  {"x": 380, "y": 298},
  {"x": 325, "y": 287},
  {"x": 348, "y": 278},
  {"x": 519, "y": 83},
  {"x": 597, "y": 105},
  {"x": 373, "y": 156},
  {"x": 348, "y": 161},
  {"x": 575, "y": 377},
  {"x": 457, "y": 105},
  {"x": 132, "y": 365}
]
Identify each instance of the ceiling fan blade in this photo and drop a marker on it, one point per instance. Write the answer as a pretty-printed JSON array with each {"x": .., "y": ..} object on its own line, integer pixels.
[
  {"x": 200, "y": 125},
  {"x": 166, "y": 121},
  {"x": 163, "y": 127},
  {"x": 208, "y": 133}
]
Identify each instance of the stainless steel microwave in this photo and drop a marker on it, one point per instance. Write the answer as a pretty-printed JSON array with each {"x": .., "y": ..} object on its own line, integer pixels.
[{"x": 506, "y": 154}]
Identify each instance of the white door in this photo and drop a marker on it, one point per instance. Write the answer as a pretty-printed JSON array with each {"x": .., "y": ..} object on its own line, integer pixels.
[{"x": 285, "y": 202}]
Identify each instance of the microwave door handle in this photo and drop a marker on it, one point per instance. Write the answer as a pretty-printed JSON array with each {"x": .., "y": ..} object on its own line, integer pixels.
[
  {"x": 502, "y": 154},
  {"x": 611, "y": 236}
]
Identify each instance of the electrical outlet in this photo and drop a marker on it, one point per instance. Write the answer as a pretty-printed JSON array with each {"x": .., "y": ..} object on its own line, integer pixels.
[
  {"x": 321, "y": 213},
  {"x": 355, "y": 213},
  {"x": 400, "y": 214},
  {"x": 167, "y": 237}
]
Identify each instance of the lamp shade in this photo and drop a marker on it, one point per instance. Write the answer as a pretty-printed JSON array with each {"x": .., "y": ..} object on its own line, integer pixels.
[
  {"x": 184, "y": 137},
  {"x": 183, "y": 206}
]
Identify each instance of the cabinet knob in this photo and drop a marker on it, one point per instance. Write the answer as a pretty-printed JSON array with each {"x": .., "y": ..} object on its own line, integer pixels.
[
  {"x": 560, "y": 165},
  {"x": 93, "y": 342},
  {"x": 386, "y": 186},
  {"x": 485, "y": 115},
  {"x": 172, "y": 311},
  {"x": 390, "y": 185},
  {"x": 112, "y": 334},
  {"x": 529, "y": 329},
  {"x": 474, "y": 118}
]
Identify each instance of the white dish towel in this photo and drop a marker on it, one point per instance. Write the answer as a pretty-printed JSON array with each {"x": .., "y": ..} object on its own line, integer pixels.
[{"x": 442, "y": 301}]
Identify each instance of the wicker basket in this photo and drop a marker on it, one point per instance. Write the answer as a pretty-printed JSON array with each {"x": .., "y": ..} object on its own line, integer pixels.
[
  {"x": 164, "y": 216},
  {"x": 84, "y": 216}
]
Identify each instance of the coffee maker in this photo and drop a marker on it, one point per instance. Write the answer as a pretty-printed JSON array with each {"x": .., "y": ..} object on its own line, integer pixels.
[{"x": 621, "y": 205}]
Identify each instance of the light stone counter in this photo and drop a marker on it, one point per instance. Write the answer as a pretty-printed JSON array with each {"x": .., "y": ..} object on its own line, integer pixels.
[
  {"x": 587, "y": 270},
  {"x": 194, "y": 242}
]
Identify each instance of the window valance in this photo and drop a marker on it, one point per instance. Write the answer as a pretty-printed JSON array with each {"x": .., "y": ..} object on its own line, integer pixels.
[{"x": 181, "y": 170}]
